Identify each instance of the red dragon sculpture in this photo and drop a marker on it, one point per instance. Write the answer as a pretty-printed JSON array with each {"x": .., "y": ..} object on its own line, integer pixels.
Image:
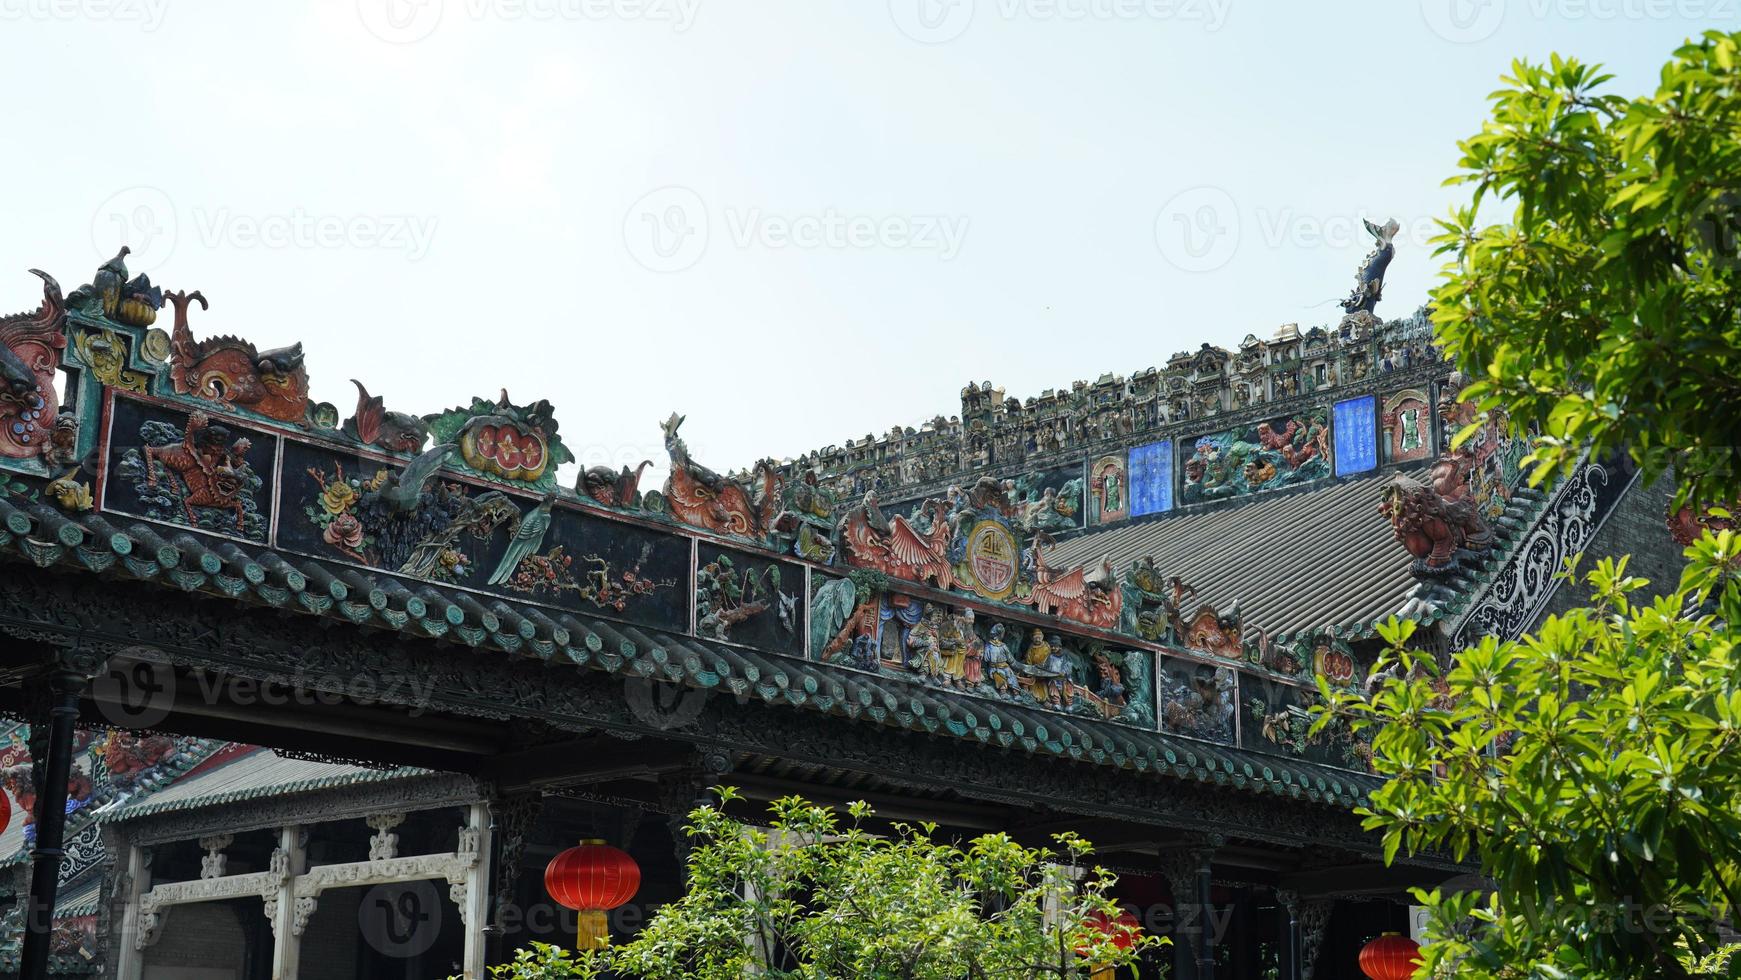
[
  {"x": 231, "y": 370},
  {"x": 700, "y": 497},
  {"x": 895, "y": 547},
  {"x": 30, "y": 352}
]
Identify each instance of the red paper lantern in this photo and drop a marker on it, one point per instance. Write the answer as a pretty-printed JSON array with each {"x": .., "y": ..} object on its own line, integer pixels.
[
  {"x": 592, "y": 879},
  {"x": 1392, "y": 956},
  {"x": 5, "y": 811},
  {"x": 1122, "y": 932}
]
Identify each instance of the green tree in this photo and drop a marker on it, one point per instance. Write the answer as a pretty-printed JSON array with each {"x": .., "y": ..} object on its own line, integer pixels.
[
  {"x": 816, "y": 896},
  {"x": 1591, "y": 768},
  {"x": 1606, "y": 309}
]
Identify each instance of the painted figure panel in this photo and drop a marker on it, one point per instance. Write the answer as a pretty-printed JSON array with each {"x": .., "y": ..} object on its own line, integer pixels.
[
  {"x": 409, "y": 520},
  {"x": 1108, "y": 490},
  {"x": 1151, "y": 478},
  {"x": 1275, "y": 718},
  {"x": 594, "y": 565},
  {"x": 399, "y": 518},
  {"x": 1355, "y": 428},
  {"x": 1199, "y": 700},
  {"x": 1408, "y": 426},
  {"x": 191, "y": 469},
  {"x": 749, "y": 600},
  {"x": 1278, "y": 452},
  {"x": 951, "y": 647},
  {"x": 1052, "y": 500}
]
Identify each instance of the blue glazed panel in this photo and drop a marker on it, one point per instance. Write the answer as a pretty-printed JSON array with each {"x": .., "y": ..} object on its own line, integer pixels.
[
  {"x": 1355, "y": 430},
  {"x": 1151, "y": 478}
]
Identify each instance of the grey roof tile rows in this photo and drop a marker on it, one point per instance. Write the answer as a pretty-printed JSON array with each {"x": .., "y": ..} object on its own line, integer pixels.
[
  {"x": 257, "y": 774},
  {"x": 1296, "y": 560}
]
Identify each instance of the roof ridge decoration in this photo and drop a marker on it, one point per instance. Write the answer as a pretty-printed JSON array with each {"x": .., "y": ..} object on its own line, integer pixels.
[
  {"x": 988, "y": 540},
  {"x": 221, "y": 438},
  {"x": 994, "y": 431}
]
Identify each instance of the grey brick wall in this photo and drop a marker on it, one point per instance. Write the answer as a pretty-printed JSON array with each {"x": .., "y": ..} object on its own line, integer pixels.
[
  {"x": 204, "y": 941},
  {"x": 1637, "y": 528}
]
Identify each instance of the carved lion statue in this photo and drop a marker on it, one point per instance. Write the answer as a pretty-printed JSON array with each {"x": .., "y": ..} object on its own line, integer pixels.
[{"x": 1430, "y": 524}]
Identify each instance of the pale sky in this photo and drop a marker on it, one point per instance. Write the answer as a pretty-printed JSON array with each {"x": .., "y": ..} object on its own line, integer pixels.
[{"x": 796, "y": 221}]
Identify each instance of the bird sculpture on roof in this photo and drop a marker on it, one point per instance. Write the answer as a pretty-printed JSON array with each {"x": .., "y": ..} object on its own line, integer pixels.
[
  {"x": 110, "y": 277},
  {"x": 402, "y": 493},
  {"x": 526, "y": 541}
]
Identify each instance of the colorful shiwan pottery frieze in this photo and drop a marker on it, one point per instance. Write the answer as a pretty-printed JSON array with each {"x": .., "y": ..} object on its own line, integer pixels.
[
  {"x": 856, "y": 624},
  {"x": 217, "y": 437},
  {"x": 1408, "y": 426},
  {"x": 31, "y": 346},
  {"x": 190, "y": 468},
  {"x": 748, "y": 599},
  {"x": 233, "y": 372},
  {"x": 1199, "y": 700},
  {"x": 1108, "y": 490},
  {"x": 1278, "y": 452},
  {"x": 501, "y": 440},
  {"x": 404, "y": 517},
  {"x": 1277, "y": 719}
]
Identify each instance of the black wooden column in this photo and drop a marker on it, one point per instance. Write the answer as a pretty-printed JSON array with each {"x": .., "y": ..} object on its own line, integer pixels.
[
  {"x": 1288, "y": 915},
  {"x": 1187, "y": 868},
  {"x": 64, "y": 685},
  {"x": 511, "y": 819}
]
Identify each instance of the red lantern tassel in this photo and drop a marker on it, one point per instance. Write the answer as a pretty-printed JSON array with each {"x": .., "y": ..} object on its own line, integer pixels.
[{"x": 593, "y": 931}]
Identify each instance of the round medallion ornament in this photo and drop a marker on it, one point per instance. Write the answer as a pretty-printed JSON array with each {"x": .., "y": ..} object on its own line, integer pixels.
[{"x": 993, "y": 557}]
